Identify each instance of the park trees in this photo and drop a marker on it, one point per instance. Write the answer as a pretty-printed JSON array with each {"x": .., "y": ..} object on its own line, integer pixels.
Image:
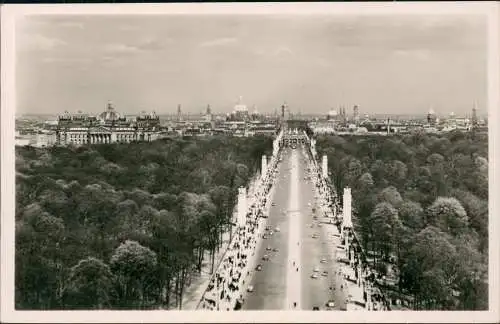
[
  {"x": 430, "y": 267},
  {"x": 437, "y": 186},
  {"x": 90, "y": 285},
  {"x": 39, "y": 259},
  {"x": 134, "y": 266},
  {"x": 412, "y": 215},
  {"x": 447, "y": 214},
  {"x": 74, "y": 211},
  {"x": 386, "y": 227}
]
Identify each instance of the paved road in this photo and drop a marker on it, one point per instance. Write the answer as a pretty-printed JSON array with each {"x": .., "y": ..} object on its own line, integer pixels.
[{"x": 278, "y": 285}]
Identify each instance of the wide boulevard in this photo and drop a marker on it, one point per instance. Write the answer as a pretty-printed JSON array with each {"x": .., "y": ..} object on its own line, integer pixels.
[{"x": 301, "y": 244}]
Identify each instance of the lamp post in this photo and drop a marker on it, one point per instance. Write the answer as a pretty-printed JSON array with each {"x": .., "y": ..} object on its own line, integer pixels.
[{"x": 218, "y": 292}]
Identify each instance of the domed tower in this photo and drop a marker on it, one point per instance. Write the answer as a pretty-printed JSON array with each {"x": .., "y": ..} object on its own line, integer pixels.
[
  {"x": 255, "y": 113},
  {"x": 208, "y": 114},
  {"x": 474, "y": 115},
  {"x": 240, "y": 110},
  {"x": 109, "y": 115},
  {"x": 431, "y": 117},
  {"x": 179, "y": 113},
  {"x": 332, "y": 115},
  {"x": 284, "y": 107},
  {"x": 355, "y": 116}
]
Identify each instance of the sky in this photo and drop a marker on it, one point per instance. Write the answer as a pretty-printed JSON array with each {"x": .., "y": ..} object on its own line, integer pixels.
[{"x": 384, "y": 64}]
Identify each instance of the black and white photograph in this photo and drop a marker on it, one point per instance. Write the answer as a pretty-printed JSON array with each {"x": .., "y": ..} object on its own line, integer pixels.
[{"x": 209, "y": 162}]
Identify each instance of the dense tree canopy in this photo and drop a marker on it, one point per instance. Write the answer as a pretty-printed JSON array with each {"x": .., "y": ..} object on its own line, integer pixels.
[
  {"x": 422, "y": 200},
  {"x": 124, "y": 225}
]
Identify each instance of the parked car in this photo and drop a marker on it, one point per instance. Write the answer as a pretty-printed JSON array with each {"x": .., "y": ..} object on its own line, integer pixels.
[{"x": 314, "y": 275}]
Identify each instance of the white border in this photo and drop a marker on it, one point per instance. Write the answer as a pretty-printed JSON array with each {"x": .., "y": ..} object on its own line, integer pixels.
[{"x": 8, "y": 16}]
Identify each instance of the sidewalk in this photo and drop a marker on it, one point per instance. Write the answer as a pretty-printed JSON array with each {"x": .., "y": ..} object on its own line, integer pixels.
[
  {"x": 227, "y": 286},
  {"x": 200, "y": 280},
  {"x": 192, "y": 293}
]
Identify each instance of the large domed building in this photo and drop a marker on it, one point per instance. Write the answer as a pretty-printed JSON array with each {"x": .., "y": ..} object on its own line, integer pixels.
[
  {"x": 107, "y": 127},
  {"x": 332, "y": 114},
  {"x": 240, "y": 111},
  {"x": 431, "y": 117},
  {"x": 109, "y": 115}
]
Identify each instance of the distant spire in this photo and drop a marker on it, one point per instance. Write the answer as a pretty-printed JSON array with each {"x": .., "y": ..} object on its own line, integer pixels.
[
  {"x": 240, "y": 100},
  {"x": 474, "y": 114},
  {"x": 179, "y": 112}
]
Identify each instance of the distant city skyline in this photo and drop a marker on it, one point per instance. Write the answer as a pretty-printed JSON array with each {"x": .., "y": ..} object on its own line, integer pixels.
[{"x": 385, "y": 65}]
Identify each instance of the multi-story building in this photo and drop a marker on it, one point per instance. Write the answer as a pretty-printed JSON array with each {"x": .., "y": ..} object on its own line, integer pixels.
[
  {"x": 45, "y": 138},
  {"x": 107, "y": 127}
]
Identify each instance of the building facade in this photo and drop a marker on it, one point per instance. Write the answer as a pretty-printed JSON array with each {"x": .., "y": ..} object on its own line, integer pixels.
[{"x": 107, "y": 127}]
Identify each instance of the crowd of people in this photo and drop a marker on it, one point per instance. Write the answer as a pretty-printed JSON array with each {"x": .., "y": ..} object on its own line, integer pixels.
[{"x": 227, "y": 284}]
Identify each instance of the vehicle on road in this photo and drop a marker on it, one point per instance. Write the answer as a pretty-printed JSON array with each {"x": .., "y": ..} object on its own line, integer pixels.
[
  {"x": 320, "y": 225},
  {"x": 314, "y": 275},
  {"x": 264, "y": 237},
  {"x": 316, "y": 269},
  {"x": 259, "y": 267},
  {"x": 271, "y": 232},
  {"x": 250, "y": 288},
  {"x": 277, "y": 229},
  {"x": 275, "y": 250},
  {"x": 323, "y": 260},
  {"x": 273, "y": 204},
  {"x": 330, "y": 305},
  {"x": 268, "y": 248},
  {"x": 315, "y": 308},
  {"x": 268, "y": 228},
  {"x": 325, "y": 273},
  {"x": 315, "y": 235},
  {"x": 265, "y": 257}
]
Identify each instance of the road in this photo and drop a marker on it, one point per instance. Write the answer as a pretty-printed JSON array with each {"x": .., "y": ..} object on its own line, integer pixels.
[{"x": 279, "y": 285}]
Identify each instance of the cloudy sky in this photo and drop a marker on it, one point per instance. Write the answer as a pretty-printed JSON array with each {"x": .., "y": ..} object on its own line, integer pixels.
[{"x": 383, "y": 64}]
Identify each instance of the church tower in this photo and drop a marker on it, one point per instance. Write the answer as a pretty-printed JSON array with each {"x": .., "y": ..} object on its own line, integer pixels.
[
  {"x": 474, "y": 115},
  {"x": 179, "y": 113}
]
